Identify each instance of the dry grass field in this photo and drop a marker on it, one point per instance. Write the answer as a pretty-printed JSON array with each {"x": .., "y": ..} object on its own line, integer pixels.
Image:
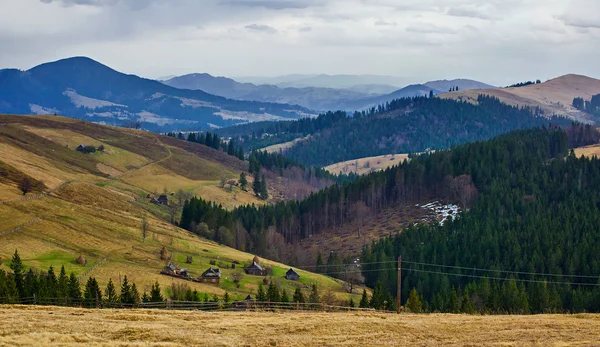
[
  {"x": 554, "y": 96},
  {"x": 283, "y": 146},
  {"x": 588, "y": 151},
  {"x": 366, "y": 165},
  {"x": 55, "y": 326}
]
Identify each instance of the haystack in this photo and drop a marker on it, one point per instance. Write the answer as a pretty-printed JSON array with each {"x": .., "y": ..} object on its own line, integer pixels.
[
  {"x": 164, "y": 253},
  {"x": 81, "y": 260}
]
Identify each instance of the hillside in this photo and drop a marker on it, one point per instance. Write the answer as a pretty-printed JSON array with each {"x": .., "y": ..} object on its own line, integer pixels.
[
  {"x": 92, "y": 204},
  {"x": 83, "y": 88},
  {"x": 553, "y": 97},
  {"x": 74, "y": 327},
  {"x": 461, "y": 83},
  {"x": 366, "y": 165}
]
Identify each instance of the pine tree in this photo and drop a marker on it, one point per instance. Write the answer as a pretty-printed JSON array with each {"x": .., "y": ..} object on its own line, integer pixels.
[
  {"x": 298, "y": 296},
  {"x": 126, "y": 297},
  {"x": 466, "y": 305},
  {"x": 351, "y": 303},
  {"x": 92, "y": 293},
  {"x": 364, "y": 300},
  {"x": 110, "y": 292},
  {"x": 74, "y": 289},
  {"x": 261, "y": 296},
  {"x": 378, "y": 297},
  {"x": 240, "y": 153},
  {"x": 31, "y": 283},
  {"x": 273, "y": 293},
  {"x": 284, "y": 296},
  {"x": 453, "y": 303},
  {"x": 63, "y": 286},
  {"x": 319, "y": 265},
  {"x": 226, "y": 297},
  {"x": 243, "y": 181},
  {"x": 314, "y": 297},
  {"x": 414, "y": 302},
  {"x": 17, "y": 267},
  {"x": 231, "y": 148},
  {"x": 264, "y": 193},
  {"x": 51, "y": 284},
  {"x": 155, "y": 294},
  {"x": 256, "y": 186},
  {"x": 145, "y": 298},
  {"x": 135, "y": 295}
]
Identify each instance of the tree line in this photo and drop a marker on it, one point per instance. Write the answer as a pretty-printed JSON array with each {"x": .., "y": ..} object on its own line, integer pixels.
[{"x": 592, "y": 106}]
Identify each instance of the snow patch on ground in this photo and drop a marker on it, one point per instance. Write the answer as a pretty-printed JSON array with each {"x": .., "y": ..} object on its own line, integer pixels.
[
  {"x": 37, "y": 109},
  {"x": 91, "y": 103},
  {"x": 150, "y": 117},
  {"x": 303, "y": 114},
  {"x": 248, "y": 116},
  {"x": 442, "y": 211}
]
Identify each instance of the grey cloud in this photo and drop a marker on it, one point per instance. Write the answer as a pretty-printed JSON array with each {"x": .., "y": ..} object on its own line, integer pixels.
[
  {"x": 272, "y": 4},
  {"x": 381, "y": 22},
  {"x": 261, "y": 28},
  {"x": 583, "y": 23},
  {"x": 470, "y": 12},
  {"x": 305, "y": 29},
  {"x": 427, "y": 28}
]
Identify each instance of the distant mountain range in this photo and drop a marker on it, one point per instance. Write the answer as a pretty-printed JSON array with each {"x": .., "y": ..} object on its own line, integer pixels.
[
  {"x": 327, "y": 81},
  {"x": 358, "y": 97},
  {"x": 83, "y": 88}
]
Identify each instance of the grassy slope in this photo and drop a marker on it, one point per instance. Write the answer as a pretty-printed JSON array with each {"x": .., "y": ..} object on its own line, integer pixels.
[
  {"x": 366, "y": 165},
  {"x": 98, "y": 216},
  {"x": 75, "y": 327},
  {"x": 554, "y": 96}
]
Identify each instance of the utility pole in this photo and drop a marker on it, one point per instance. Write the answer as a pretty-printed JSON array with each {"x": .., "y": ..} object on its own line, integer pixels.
[{"x": 399, "y": 284}]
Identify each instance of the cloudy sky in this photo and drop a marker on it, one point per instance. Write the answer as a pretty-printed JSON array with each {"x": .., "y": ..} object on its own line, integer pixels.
[{"x": 495, "y": 41}]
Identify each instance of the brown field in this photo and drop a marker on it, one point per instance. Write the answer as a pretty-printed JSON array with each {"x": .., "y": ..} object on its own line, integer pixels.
[
  {"x": 283, "y": 146},
  {"x": 588, "y": 151},
  {"x": 366, "y": 165},
  {"x": 55, "y": 326},
  {"x": 554, "y": 96}
]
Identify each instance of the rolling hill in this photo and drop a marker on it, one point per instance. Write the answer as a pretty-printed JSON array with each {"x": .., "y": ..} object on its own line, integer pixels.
[
  {"x": 93, "y": 204},
  {"x": 83, "y": 88},
  {"x": 366, "y": 165},
  {"x": 554, "y": 97}
]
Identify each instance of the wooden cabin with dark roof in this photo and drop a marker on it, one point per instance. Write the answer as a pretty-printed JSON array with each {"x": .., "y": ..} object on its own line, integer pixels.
[
  {"x": 292, "y": 275},
  {"x": 254, "y": 269},
  {"x": 212, "y": 275}
]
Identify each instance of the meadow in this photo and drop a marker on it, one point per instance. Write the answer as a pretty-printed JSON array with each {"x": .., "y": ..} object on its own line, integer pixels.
[{"x": 58, "y": 326}]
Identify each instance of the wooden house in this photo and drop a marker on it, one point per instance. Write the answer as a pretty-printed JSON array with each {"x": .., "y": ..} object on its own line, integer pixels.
[
  {"x": 254, "y": 269},
  {"x": 172, "y": 270},
  {"x": 212, "y": 275},
  {"x": 292, "y": 275},
  {"x": 163, "y": 199}
]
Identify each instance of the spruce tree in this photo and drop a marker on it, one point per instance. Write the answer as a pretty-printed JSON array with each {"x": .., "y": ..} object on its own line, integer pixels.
[
  {"x": 273, "y": 293},
  {"x": 226, "y": 297},
  {"x": 92, "y": 293},
  {"x": 414, "y": 302},
  {"x": 155, "y": 294},
  {"x": 261, "y": 296},
  {"x": 243, "y": 181},
  {"x": 284, "y": 296},
  {"x": 17, "y": 267},
  {"x": 319, "y": 266},
  {"x": 135, "y": 295},
  {"x": 264, "y": 193},
  {"x": 63, "y": 286},
  {"x": 126, "y": 297},
  {"x": 51, "y": 284},
  {"x": 31, "y": 283},
  {"x": 231, "y": 148},
  {"x": 256, "y": 185},
  {"x": 145, "y": 298},
  {"x": 364, "y": 300},
  {"x": 314, "y": 297},
  {"x": 74, "y": 289},
  {"x": 111, "y": 292},
  {"x": 240, "y": 153},
  {"x": 298, "y": 296}
]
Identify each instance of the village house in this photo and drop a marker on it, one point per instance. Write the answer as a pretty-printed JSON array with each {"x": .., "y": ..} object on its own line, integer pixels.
[
  {"x": 172, "y": 270},
  {"x": 292, "y": 275},
  {"x": 163, "y": 199},
  {"x": 212, "y": 275},
  {"x": 254, "y": 269}
]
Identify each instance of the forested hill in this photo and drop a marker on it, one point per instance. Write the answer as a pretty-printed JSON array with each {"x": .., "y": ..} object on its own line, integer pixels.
[
  {"x": 530, "y": 210},
  {"x": 425, "y": 123},
  {"x": 528, "y": 244}
]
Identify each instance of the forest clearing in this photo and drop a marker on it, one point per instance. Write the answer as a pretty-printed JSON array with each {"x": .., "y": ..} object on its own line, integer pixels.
[{"x": 59, "y": 326}]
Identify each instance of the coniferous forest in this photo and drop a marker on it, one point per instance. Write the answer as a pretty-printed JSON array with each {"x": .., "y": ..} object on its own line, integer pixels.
[{"x": 527, "y": 242}]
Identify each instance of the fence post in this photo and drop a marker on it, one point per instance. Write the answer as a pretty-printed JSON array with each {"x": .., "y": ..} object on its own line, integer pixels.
[{"x": 34, "y": 300}]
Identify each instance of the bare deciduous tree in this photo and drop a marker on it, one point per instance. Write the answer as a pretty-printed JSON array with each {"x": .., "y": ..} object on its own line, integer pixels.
[
  {"x": 352, "y": 276},
  {"x": 237, "y": 278}
]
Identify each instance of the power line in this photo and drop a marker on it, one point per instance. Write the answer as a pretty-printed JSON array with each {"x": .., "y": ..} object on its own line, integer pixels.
[
  {"x": 505, "y": 278},
  {"x": 502, "y": 271}
]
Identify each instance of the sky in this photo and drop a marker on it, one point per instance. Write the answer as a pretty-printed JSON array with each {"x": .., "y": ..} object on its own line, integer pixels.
[{"x": 495, "y": 41}]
